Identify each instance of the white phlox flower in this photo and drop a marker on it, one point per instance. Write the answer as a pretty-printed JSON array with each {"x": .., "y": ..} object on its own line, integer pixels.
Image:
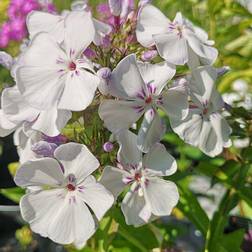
[
  {"x": 204, "y": 127},
  {"x": 60, "y": 193},
  {"x": 140, "y": 89},
  {"x": 149, "y": 195},
  {"x": 174, "y": 40},
  {"x": 49, "y": 75}
]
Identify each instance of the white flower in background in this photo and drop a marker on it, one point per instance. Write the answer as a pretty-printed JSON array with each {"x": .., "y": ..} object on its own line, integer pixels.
[
  {"x": 149, "y": 195},
  {"x": 121, "y": 8},
  {"x": 79, "y": 5},
  {"x": 55, "y": 25},
  {"x": 204, "y": 127},
  {"x": 141, "y": 90},
  {"x": 174, "y": 40},
  {"x": 49, "y": 76},
  {"x": 15, "y": 112},
  {"x": 247, "y": 4},
  {"x": 57, "y": 206}
]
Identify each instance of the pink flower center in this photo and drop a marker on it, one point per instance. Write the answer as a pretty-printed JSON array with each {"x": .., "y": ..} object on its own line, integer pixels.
[
  {"x": 70, "y": 187},
  {"x": 205, "y": 110},
  {"x": 148, "y": 100},
  {"x": 72, "y": 66},
  {"x": 138, "y": 177}
]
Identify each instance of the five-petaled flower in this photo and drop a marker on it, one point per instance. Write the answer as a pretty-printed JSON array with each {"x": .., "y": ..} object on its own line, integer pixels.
[
  {"x": 48, "y": 75},
  {"x": 149, "y": 195},
  {"x": 61, "y": 192},
  {"x": 175, "y": 40},
  {"x": 204, "y": 127},
  {"x": 141, "y": 89}
]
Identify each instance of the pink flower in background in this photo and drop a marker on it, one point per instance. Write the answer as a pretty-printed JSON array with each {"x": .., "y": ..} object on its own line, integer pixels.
[{"x": 15, "y": 28}]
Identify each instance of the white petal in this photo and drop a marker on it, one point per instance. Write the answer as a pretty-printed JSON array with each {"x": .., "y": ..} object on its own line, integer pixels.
[
  {"x": 79, "y": 91},
  {"x": 77, "y": 160},
  {"x": 128, "y": 152},
  {"x": 222, "y": 129},
  {"x": 175, "y": 102},
  {"x": 178, "y": 18},
  {"x": 51, "y": 121},
  {"x": 97, "y": 197},
  {"x": 190, "y": 128},
  {"x": 159, "y": 162},
  {"x": 101, "y": 30},
  {"x": 202, "y": 84},
  {"x": 151, "y": 131},
  {"x": 41, "y": 172},
  {"x": 40, "y": 207},
  {"x": 73, "y": 223},
  {"x": 161, "y": 195},
  {"x": 112, "y": 179},
  {"x": 208, "y": 142},
  {"x": 6, "y": 127},
  {"x": 38, "y": 21},
  {"x": 126, "y": 79},
  {"x": 15, "y": 108},
  {"x": 207, "y": 52},
  {"x": 41, "y": 87},
  {"x": 172, "y": 48},
  {"x": 43, "y": 52},
  {"x": 76, "y": 39},
  {"x": 38, "y": 78},
  {"x": 118, "y": 115},
  {"x": 157, "y": 74},
  {"x": 135, "y": 209},
  {"x": 151, "y": 21}
]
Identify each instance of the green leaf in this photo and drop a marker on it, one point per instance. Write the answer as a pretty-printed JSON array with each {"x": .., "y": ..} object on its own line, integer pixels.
[
  {"x": 191, "y": 208},
  {"x": 232, "y": 241}
]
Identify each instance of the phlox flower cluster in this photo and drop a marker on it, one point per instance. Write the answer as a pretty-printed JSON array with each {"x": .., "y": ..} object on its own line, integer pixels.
[
  {"x": 68, "y": 70},
  {"x": 14, "y": 29}
]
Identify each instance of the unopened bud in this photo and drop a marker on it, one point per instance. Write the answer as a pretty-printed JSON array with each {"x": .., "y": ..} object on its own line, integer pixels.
[
  {"x": 104, "y": 73},
  {"x": 149, "y": 55},
  {"x": 115, "y": 7},
  {"x": 45, "y": 149},
  {"x": 223, "y": 70},
  {"x": 108, "y": 147}
]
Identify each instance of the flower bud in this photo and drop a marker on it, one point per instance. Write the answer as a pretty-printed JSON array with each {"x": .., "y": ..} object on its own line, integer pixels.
[
  {"x": 149, "y": 55},
  {"x": 104, "y": 73},
  {"x": 60, "y": 139},
  {"x": 108, "y": 147},
  {"x": 223, "y": 70},
  {"x": 115, "y": 7},
  {"x": 45, "y": 149}
]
